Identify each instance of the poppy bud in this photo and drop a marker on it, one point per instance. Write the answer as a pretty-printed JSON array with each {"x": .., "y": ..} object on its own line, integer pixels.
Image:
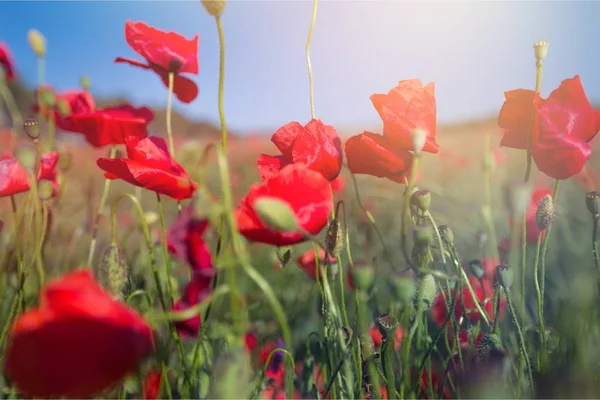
[
  {"x": 476, "y": 268},
  {"x": 84, "y": 81},
  {"x": 45, "y": 189},
  {"x": 488, "y": 343},
  {"x": 284, "y": 253},
  {"x": 504, "y": 276},
  {"x": 447, "y": 235},
  {"x": 421, "y": 199},
  {"x": 214, "y": 7},
  {"x": 540, "y": 49},
  {"x": 25, "y": 155},
  {"x": 37, "y": 42},
  {"x": 419, "y": 137},
  {"x": 363, "y": 275},
  {"x": 592, "y": 201},
  {"x": 545, "y": 212},
  {"x": 422, "y": 235},
  {"x": 64, "y": 161},
  {"x": 403, "y": 286},
  {"x": 31, "y": 128},
  {"x": 334, "y": 238},
  {"x": 427, "y": 290},
  {"x": 387, "y": 325},
  {"x": 276, "y": 214},
  {"x": 517, "y": 198},
  {"x": 63, "y": 107},
  {"x": 113, "y": 272}
]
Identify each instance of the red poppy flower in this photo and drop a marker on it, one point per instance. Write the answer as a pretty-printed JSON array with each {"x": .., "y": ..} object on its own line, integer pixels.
[
  {"x": 60, "y": 349},
  {"x": 307, "y": 261},
  {"x": 561, "y": 127},
  {"x": 251, "y": 341},
  {"x": 6, "y": 63},
  {"x": 151, "y": 385},
  {"x": 185, "y": 240},
  {"x": 78, "y": 102},
  {"x": 149, "y": 165},
  {"x": 164, "y": 53},
  {"x": 372, "y": 154},
  {"x": 377, "y": 337},
  {"x": 13, "y": 177},
  {"x": 307, "y": 193},
  {"x": 315, "y": 145},
  {"x": 195, "y": 292},
  {"x": 338, "y": 184},
  {"x": 110, "y": 126},
  {"x": 408, "y": 106}
]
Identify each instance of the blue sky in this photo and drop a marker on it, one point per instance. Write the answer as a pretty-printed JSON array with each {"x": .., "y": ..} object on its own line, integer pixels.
[{"x": 472, "y": 50}]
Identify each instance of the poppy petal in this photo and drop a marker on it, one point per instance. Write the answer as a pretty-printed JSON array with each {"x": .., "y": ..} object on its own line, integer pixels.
[{"x": 268, "y": 166}]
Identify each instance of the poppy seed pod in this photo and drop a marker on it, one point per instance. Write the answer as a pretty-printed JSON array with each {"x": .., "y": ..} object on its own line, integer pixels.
[
  {"x": 545, "y": 212},
  {"x": 214, "y": 7},
  {"x": 284, "y": 254},
  {"x": 31, "y": 128},
  {"x": 592, "y": 201},
  {"x": 421, "y": 199},
  {"x": 363, "y": 275},
  {"x": 419, "y": 138},
  {"x": 84, "y": 81},
  {"x": 540, "y": 49},
  {"x": 387, "y": 325},
  {"x": 476, "y": 268},
  {"x": 447, "y": 235},
  {"x": 113, "y": 272},
  {"x": 37, "y": 42},
  {"x": 504, "y": 275},
  {"x": 276, "y": 214},
  {"x": 427, "y": 290},
  {"x": 334, "y": 238}
]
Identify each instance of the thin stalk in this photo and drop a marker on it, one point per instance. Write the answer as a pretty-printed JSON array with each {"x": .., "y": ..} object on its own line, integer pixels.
[
  {"x": 406, "y": 208},
  {"x": 308, "y": 63},
  {"x": 540, "y": 311},
  {"x": 515, "y": 320},
  {"x": 538, "y": 85},
  {"x": 99, "y": 213},
  {"x": 437, "y": 235},
  {"x": 595, "y": 252}
]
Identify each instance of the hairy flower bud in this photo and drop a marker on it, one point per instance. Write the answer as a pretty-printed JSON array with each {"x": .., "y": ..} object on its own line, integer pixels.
[
  {"x": 37, "y": 42},
  {"x": 488, "y": 343},
  {"x": 592, "y": 201},
  {"x": 214, "y": 7},
  {"x": 31, "y": 128},
  {"x": 113, "y": 272},
  {"x": 334, "y": 238},
  {"x": 276, "y": 214},
  {"x": 504, "y": 275},
  {"x": 545, "y": 212},
  {"x": 64, "y": 161},
  {"x": 540, "y": 49},
  {"x": 427, "y": 290}
]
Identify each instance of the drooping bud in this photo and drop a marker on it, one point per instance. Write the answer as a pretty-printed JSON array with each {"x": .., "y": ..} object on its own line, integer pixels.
[
  {"x": 113, "y": 272},
  {"x": 84, "y": 81},
  {"x": 404, "y": 287},
  {"x": 427, "y": 290},
  {"x": 540, "y": 49},
  {"x": 447, "y": 235},
  {"x": 518, "y": 196},
  {"x": 592, "y": 201},
  {"x": 421, "y": 199},
  {"x": 284, "y": 254},
  {"x": 37, "y": 42},
  {"x": 363, "y": 275},
  {"x": 387, "y": 325},
  {"x": 545, "y": 212},
  {"x": 45, "y": 189},
  {"x": 31, "y": 128},
  {"x": 504, "y": 276},
  {"x": 276, "y": 214},
  {"x": 334, "y": 238},
  {"x": 487, "y": 344},
  {"x": 477, "y": 268},
  {"x": 419, "y": 137},
  {"x": 214, "y": 7}
]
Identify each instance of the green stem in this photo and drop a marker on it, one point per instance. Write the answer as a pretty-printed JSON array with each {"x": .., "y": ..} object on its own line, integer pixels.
[
  {"x": 595, "y": 247},
  {"x": 308, "y": 63},
  {"x": 99, "y": 213},
  {"x": 515, "y": 320},
  {"x": 437, "y": 235},
  {"x": 540, "y": 311},
  {"x": 221, "y": 82},
  {"x": 387, "y": 354},
  {"x": 169, "y": 112},
  {"x": 406, "y": 208},
  {"x": 538, "y": 85}
]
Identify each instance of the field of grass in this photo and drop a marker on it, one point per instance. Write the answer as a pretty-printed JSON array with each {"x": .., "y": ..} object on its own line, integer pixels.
[{"x": 196, "y": 278}]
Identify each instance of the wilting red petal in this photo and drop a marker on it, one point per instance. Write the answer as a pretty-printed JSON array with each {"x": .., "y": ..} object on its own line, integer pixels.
[
  {"x": 516, "y": 118},
  {"x": 59, "y": 349},
  {"x": 408, "y": 106},
  {"x": 308, "y": 195},
  {"x": 268, "y": 166},
  {"x": 168, "y": 50},
  {"x": 6, "y": 63},
  {"x": 307, "y": 261},
  {"x": 372, "y": 154}
]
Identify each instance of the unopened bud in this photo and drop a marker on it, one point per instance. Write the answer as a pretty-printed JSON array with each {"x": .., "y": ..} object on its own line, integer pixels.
[
  {"x": 421, "y": 199},
  {"x": 545, "y": 212},
  {"x": 113, "y": 272},
  {"x": 592, "y": 201},
  {"x": 334, "y": 238},
  {"x": 447, "y": 235},
  {"x": 477, "y": 268},
  {"x": 488, "y": 343},
  {"x": 84, "y": 81},
  {"x": 427, "y": 290},
  {"x": 214, "y": 7},
  {"x": 419, "y": 137},
  {"x": 276, "y": 214},
  {"x": 31, "y": 128},
  {"x": 45, "y": 189},
  {"x": 363, "y": 275},
  {"x": 387, "y": 325},
  {"x": 540, "y": 49},
  {"x": 284, "y": 254},
  {"x": 404, "y": 287},
  {"x": 37, "y": 42},
  {"x": 504, "y": 276}
]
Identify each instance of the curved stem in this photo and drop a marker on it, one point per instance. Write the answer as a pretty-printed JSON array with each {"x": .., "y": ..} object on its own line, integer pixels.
[
  {"x": 406, "y": 207},
  {"x": 437, "y": 235},
  {"x": 308, "y": 63},
  {"x": 13, "y": 110},
  {"x": 540, "y": 310},
  {"x": 515, "y": 320}
]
